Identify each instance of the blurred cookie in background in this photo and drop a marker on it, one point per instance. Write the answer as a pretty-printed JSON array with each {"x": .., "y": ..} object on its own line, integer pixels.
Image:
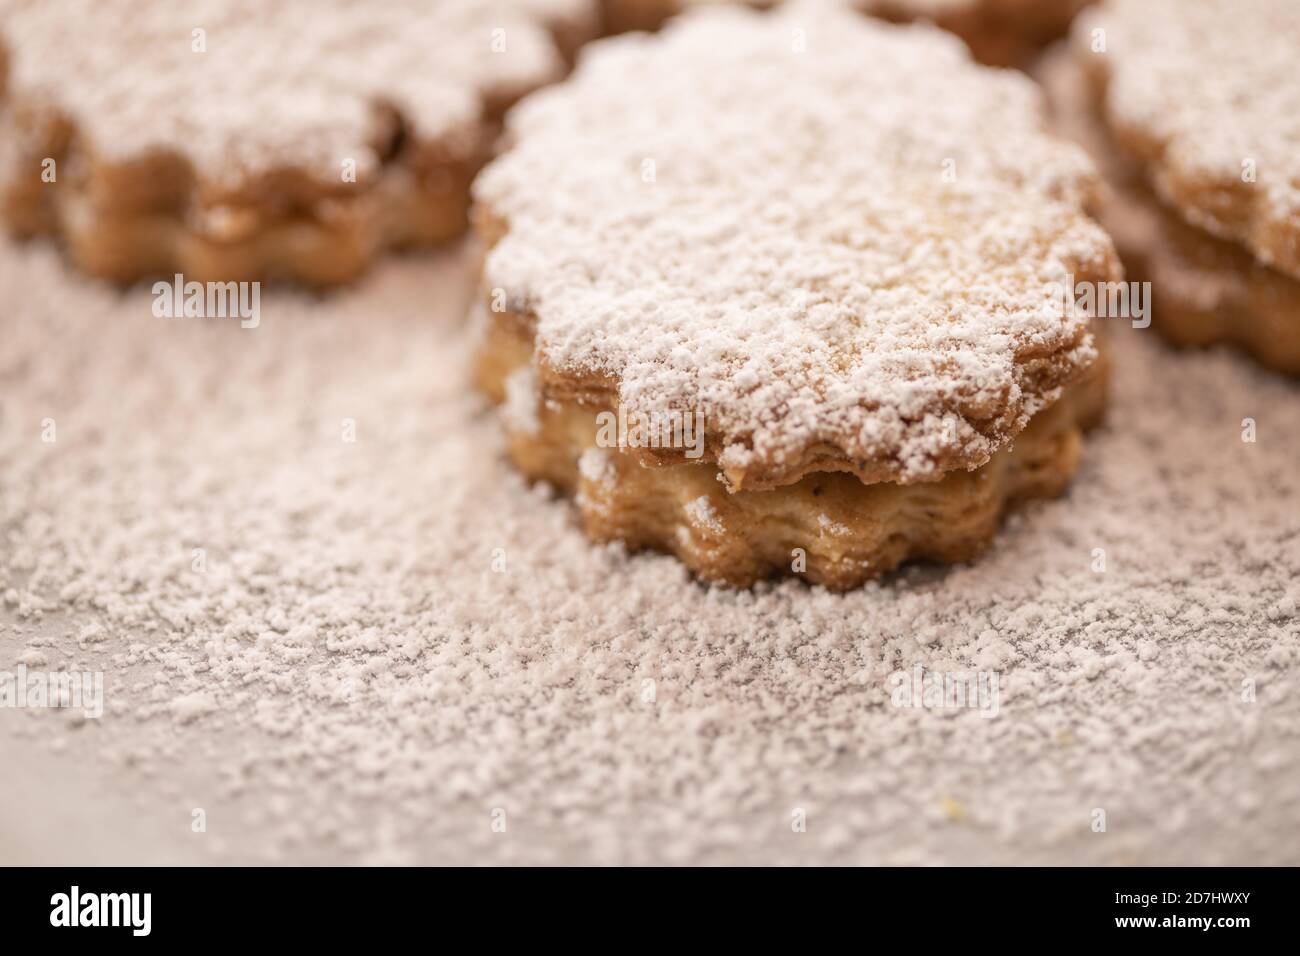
[
  {"x": 1192, "y": 112},
  {"x": 241, "y": 141}
]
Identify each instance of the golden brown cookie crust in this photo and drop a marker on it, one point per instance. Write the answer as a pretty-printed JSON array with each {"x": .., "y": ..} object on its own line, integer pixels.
[{"x": 829, "y": 528}]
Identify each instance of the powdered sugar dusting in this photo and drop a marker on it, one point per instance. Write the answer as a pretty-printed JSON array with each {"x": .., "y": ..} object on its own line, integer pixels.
[
  {"x": 855, "y": 259},
  {"x": 520, "y": 408},
  {"x": 372, "y": 688},
  {"x": 594, "y": 465},
  {"x": 1213, "y": 84},
  {"x": 831, "y": 527},
  {"x": 702, "y": 514},
  {"x": 290, "y": 83}
]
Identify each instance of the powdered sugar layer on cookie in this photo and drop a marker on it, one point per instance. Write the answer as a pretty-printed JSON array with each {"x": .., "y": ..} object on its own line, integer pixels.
[
  {"x": 1213, "y": 90},
  {"x": 817, "y": 229},
  {"x": 241, "y": 87}
]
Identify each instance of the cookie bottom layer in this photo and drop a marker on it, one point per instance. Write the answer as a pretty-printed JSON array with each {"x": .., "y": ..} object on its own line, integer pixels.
[
  {"x": 829, "y": 528},
  {"x": 136, "y": 220},
  {"x": 1206, "y": 291}
]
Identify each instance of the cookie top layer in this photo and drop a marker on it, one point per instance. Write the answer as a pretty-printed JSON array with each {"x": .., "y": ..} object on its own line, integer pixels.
[
  {"x": 269, "y": 85},
  {"x": 829, "y": 235},
  {"x": 1207, "y": 95}
]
